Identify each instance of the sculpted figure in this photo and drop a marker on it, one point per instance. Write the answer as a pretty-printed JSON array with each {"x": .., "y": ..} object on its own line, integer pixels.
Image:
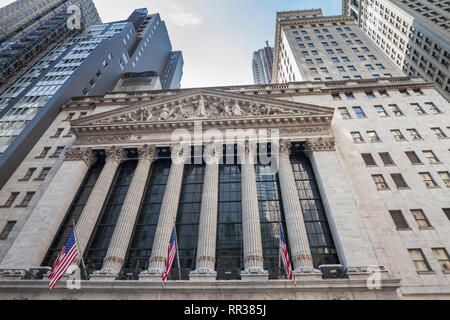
[
  {"x": 201, "y": 110},
  {"x": 225, "y": 110},
  {"x": 165, "y": 114},
  {"x": 237, "y": 109}
]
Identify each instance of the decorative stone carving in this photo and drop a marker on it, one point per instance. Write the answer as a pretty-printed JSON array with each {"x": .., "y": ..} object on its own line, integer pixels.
[
  {"x": 148, "y": 152},
  {"x": 115, "y": 153},
  {"x": 102, "y": 139},
  {"x": 321, "y": 144},
  {"x": 306, "y": 131},
  {"x": 81, "y": 154},
  {"x": 285, "y": 146}
]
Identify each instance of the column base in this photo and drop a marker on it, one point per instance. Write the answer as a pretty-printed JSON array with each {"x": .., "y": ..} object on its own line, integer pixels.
[
  {"x": 151, "y": 276},
  {"x": 104, "y": 276},
  {"x": 203, "y": 275},
  {"x": 255, "y": 274}
]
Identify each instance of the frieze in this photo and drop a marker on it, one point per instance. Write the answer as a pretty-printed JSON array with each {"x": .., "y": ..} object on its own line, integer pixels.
[{"x": 88, "y": 139}]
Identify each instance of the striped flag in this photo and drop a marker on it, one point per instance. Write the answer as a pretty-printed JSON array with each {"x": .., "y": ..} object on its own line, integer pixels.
[
  {"x": 65, "y": 258},
  {"x": 170, "y": 257},
  {"x": 285, "y": 257}
]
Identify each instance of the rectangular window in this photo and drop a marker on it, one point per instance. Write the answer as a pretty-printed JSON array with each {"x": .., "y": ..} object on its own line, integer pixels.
[
  {"x": 29, "y": 174},
  {"x": 58, "y": 152},
  {"x": 369, "y": 160},
  {"x": 421, "y": 219},
  {"x": 432, "y": 159},
  {"x": 344, "y": 113},
  {"x": 381, "y": 111},
  {"x": 349, "y": 96},
  {"x": 6, "y": 231},
  {"x": 399, "y": 181},
  {"x": 11, "y": 199},
  {"x": 419, "y": 260},
  {"x": 44, "y": 152},
  {"x": 398, "y": 135},
  {"x": 412, "y": 156},
  {"x": 387, "y": 159},
  {"x": 445, "y": 175},
  {"x": 418, "y": 109},
  {"x": 26, "y": 200},
  {"x": 447, "y": 212},
  {"x": 395, "y": 110},
  {"x": 414, "y": 134},
  {"x": 380, "y": 182},
  {"x": 439, "y": 133},
  {"x": 373, "y": 136},
  {"x": 442, "y": 258},
  {"x": 359, "y": 112},
  {"x": 399, "y": 220},
  {"x": 370, "y": 94},
  {"x": 43, "y": 174},
  {"x": 357, "y": 138},
  {"x": 428, "y": 180},
  {"x": 432, "y": 107},
  {"x": 58, "y": 133}
]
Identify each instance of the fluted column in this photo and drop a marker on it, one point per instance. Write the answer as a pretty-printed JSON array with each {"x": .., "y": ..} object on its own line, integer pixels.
[
  {"x": 296, "y": 230},
  {"x": 118, "y": 246},
  {"x": 167, "y": 215},
  {"x": 206, "y": 248},
  {"x": 251, "y": 228},
  {"x": 94, "y": 205}
]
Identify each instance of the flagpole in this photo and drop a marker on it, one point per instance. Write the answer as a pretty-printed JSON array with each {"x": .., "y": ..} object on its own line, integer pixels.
[
  {"x": 78, "y": 249},
  {"x": 176, "y": 246}
]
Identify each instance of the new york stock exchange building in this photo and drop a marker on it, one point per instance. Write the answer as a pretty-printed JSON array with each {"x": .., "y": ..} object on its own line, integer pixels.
[{"x": 226, "y": 167}]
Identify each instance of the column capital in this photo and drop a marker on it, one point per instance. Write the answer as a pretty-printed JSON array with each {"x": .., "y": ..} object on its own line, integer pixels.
[
  {"x": 80, "y": 154},
  {"x": 115, "y": 154},
  {"x": 285, "y": 146},
  {"x": 148, "y": 152},
  {"x": 321, "y": 144}
]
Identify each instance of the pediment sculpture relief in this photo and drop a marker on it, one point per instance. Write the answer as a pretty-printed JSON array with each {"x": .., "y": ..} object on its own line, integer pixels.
[{"x": 200, "y": 109}]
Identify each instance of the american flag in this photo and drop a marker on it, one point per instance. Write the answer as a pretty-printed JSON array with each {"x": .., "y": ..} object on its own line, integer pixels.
[
  {"x": 285, "y": 257},
  {"x": 68, "y": 253},
  {"x": 170, "y": 257}
]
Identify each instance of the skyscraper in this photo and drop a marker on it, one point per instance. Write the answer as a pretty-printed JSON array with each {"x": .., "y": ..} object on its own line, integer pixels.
[
  {"x": 414, "y": 34},
  {"x": 89, "y": 64},
  {"x": 262, "y": 64}
]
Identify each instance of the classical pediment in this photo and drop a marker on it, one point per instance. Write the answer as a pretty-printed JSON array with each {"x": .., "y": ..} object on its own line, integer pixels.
[{"x": 203, "y": 105}]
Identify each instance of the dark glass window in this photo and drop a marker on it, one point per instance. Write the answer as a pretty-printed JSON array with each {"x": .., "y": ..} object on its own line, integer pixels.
[
  {"x": 103, "y": 232},
  {"x": 320, "y": 238},
  {"x": 141, "y": 245},
  {"x": 270, "y": 215},
  {"x": 188, "y": 218},
  {"x": 74, "y": 212},
  {"x": 229, "y": 250}
]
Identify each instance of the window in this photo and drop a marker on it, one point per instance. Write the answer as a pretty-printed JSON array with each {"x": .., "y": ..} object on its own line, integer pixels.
[
  {"x": 380, "y": 182},
  {"x": 421, "y": 219},
  {"x": 404, "y": 92},
  {"x": 414, "y": 134},
  {"x": 381, "y": 111},
  {"x": 439, "y": 133},
  {"x": 351, "y": 68},
  {"x": 43, "y": 174},
  {"x": 369, "y": 67},
  {"x": 433, "y": 108},
  {"x": 58, "y": 133},
  {"x": 370, "y": 94},
  {"x": 387, "y": 159},
  {"x": 359, "y": 112},
  {"x": 418, "y": 109},
  {"x": 335, "y": 60},
  {"x": 428, "y": 180},
  {"x": 11, "y": 199},
  {"x": 432, "y": 159},
  {"x": 442, "y": 258},
  {"x": 369, "y": 160},
  {"x": 419, "y": 260},
  {"x": 373, "y": 136},
  {"x": 399, "y": 181},
  {"x": 362, "y": 58},
  {"x": 29, "y": 174},
  {"x": 341, "y": 69},
  {"x": 399, "y": 220},
  {"x": 447, "y": 212},
  {"x": 336, "y": 96},
  {"x": 357, "y": 138},
  {"x": 70, "y": 116},
  {"x": 58, "y": 152},
  {"x": 44, "y": 152},
  {"x": 383, "y": 93},
  {"x": 412, "y": 156},
  {"x": 349, "y": 95},
  {"x": 395, "y": 110},
  {"x": 26, "y": 200},
  {"x": 445, "y": 175},
  {"x": 398, "y": 135},
  {"x": 6, "y": 231}
]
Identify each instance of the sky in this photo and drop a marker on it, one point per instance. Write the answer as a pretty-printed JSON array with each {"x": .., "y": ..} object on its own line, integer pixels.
[{"x": 217, "y": 37}]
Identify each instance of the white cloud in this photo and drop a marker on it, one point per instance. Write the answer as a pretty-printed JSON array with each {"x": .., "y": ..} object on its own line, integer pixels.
[{"x": 182, "y": 18}]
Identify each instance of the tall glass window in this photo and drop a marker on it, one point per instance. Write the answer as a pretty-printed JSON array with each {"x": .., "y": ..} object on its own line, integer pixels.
[
  {"x": 141, "y": 245},
  {"x": 188, "y": 218},
  {"x": 74, "y": 212},
  {"x": 103, "y": 232},
  {"x": 271, "y": 215},
  {"x": 229, "y": 250},
  {"x": 320, "y": 238}
]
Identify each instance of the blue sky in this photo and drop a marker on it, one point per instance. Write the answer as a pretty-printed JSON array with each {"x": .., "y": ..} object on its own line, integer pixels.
[{"x": 217, "y": 37}]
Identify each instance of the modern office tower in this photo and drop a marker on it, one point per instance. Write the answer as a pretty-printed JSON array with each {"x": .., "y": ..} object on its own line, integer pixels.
[
  {"x": 173, "y": 73},
  {"x": 89, "y": 64},
  {"x": 414, "y": 34},
  {"x": 263, "y": 65},
  {"x": 312, "y": 47}
]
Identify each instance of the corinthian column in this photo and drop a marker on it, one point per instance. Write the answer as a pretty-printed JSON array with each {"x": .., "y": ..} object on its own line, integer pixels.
[
  {"x": 118, "y": 246},
  {"x": 94, "y": 205},
  {"x": 167, "y": 215},
  {"x": 251, "y": 228},
  {"x": 296, "y": 230},
  {"x": 206, "y": 248}
]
